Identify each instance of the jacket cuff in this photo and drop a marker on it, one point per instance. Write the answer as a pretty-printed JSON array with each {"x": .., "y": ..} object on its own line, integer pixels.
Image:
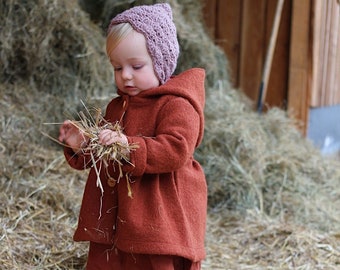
[{"x": 138, "y": 157}]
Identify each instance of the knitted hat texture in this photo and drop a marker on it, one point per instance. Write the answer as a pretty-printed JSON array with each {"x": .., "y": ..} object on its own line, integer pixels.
[{"x": 155, "y": 23}]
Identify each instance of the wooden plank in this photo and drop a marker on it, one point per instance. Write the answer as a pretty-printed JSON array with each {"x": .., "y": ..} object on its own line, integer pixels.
[
  {"x": 228, "y": 34},
  {"x": 209, "y": 9},
  {"x": 278, "y": 80},
  {"x": 326, "y": 50},
  {"x": 325, "y": 67},
  {"x": 252, "y": 46},
  {"x": 269, "y": 55},
  {"x": 298, "y": 95},
  {"x": 337, "y": 59},
  {"x": 318, "y": 18},
  {"x": 333, "y": 91},
  {"x": 323, "y": 53}
]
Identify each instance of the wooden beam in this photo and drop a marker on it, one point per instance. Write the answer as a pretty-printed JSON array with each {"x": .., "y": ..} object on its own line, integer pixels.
[
  {"x": 271, "y": 48},
  {"x": 209, "y": 15},
  {"x": 228, "y": 34},
  {"x": 253, "y": 46},
  {"x": 278, "y": 79},
  {"x": 299, "y": 85},
  {"x": 317, "y": 47},
  {"x": 337, "y": 58},
  {"x": 334, "y": 92},
  {"x": 326, "y": 50},
  {"x": 326, "y": 53}
]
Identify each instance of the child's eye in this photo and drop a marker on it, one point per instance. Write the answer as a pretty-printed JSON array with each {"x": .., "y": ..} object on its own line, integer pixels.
[
  {"x": 136, "y": 67},
  {"x": 117, "y": 68}
]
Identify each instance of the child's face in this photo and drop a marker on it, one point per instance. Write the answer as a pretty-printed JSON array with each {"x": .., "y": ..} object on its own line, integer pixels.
[{"x": 132, "y": 65}]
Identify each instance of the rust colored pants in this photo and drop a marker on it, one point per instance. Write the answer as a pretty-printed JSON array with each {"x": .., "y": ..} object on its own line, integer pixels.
[{"x": 105, "y": 257}]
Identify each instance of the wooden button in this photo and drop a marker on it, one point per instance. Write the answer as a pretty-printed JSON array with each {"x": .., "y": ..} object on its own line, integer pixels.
[{"x": 111, "y": 182}]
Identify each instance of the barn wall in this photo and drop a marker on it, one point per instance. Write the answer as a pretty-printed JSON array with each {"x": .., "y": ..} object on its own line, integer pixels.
[{"x": 305, "y": 70}]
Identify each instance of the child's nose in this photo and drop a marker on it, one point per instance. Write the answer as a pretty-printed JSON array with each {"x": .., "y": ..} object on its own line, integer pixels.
[{"x": 126, "y": 74}]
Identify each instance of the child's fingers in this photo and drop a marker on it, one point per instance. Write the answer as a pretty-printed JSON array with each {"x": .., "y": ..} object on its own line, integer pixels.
[
  {"x": 105, "y": 137},
  {"x": 64, "y": 127},
  {"x": 108, "y": 137}
]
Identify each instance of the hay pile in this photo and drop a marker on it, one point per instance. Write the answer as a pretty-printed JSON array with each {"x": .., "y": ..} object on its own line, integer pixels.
[
  {"x": 52, "y": 57},
  {"x": 254, "y": 241},
  {"x": 39, "y": 210},
  {"x": 273, "y": 199},
  {"x": 52, "y": 47},
  {"x": 263, "y": 162}
]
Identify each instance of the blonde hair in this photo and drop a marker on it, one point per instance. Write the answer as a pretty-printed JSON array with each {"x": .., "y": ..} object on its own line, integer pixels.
[{"x": 116, "y": 33}]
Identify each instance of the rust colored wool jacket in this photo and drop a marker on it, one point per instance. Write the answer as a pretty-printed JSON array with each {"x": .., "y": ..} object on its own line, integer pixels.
[{"x": 167, "y": 211}]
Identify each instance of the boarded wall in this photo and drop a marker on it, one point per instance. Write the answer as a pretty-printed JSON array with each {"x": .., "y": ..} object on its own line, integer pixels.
[
  {"x": 326, "y": 54},
  {"x": 306, "y": 62},
  {"x": 242, "y": 29}
]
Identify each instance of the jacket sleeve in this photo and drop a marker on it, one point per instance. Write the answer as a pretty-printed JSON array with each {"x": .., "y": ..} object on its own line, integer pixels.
[
  {"x": 177, "y": 132},
  {"x": 79, "y": 161}
]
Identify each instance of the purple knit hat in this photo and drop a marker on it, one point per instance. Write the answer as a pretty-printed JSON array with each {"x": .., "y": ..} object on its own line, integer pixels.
[{"x": 155, "y": 23}]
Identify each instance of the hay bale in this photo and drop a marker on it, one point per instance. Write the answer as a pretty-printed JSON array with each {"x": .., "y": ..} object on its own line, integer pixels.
[
  {"x": 39, "y": 212},
  {"x": 283, "y": 195},
  {"x": 52, "y": 57},
  {"x": 254, "y": 241},
  {"x": 263, "y": 162},
  {"x": 54, "y": 48}
]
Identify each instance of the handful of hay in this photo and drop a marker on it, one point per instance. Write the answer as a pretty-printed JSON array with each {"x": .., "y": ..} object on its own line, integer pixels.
[
  {"x": 91, "y": 124},
  {"x": 91, "y": 128},
  {"x": 116, "y": 152}
]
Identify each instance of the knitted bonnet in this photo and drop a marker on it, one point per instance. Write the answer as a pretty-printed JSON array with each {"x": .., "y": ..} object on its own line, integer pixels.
[{"x": 155, "y": 23}]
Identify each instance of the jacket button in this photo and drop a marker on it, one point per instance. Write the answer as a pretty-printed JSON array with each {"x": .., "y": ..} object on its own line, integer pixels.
[{"x": 111, "y": 182}]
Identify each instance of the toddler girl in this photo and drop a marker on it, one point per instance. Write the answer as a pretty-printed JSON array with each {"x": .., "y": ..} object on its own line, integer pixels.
[{"x": 163, "y": 225}]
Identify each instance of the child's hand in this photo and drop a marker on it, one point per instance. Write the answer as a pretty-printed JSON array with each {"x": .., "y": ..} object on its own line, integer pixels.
[
  {"x": 107, "y": 137},
  {"x": 72, "y": 136}
]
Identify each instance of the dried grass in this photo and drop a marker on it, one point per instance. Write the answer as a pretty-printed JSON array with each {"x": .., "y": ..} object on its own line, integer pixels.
[
  {"x": 263, "y": 162},
  {"x": 91, "y": 124},
  {"x": 53, "y": 46},
  {"x": 39, "y": 210},
  {"x": 273, "y": 199},
  {"x": 254, "y": 241}
]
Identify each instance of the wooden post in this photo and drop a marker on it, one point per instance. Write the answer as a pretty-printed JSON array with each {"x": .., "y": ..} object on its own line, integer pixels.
[
  {"x": 318, "y": 16},
  {"x": 228, "y": 36},
  {"x": 252, "y": 46},
  {"x": 326, "y": 54},
  {"x": 278, "y": 79},
  {"x": 269, "y": 55},
  {"x": 299, "y": 85}
]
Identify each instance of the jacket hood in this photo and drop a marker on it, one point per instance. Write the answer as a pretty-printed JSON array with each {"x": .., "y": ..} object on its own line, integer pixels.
[{"x": 189, "y": 85}]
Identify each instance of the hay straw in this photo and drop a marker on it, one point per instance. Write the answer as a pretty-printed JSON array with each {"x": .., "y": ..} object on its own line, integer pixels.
[
  {"x": 117, "y": 152},
  {"x": 56, "y": 45},
  {"x": 255, "y": 241},
  {"x": 91, "y": 124},
  {"x": 264, "y": 162},
  {"x": 252, "y": 163},
  {"x": 39, "y": 210}
]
